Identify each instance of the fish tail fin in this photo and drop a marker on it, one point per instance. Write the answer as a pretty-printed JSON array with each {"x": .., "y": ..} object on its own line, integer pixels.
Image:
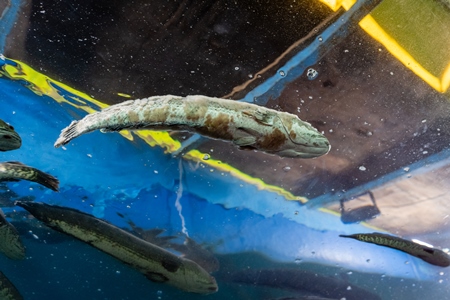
[
  {"x": 67, "y": 134},
  {"x": 47, "y": 180}
]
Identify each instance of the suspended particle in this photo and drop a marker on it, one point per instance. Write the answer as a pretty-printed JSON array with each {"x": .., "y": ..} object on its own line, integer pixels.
[
  {"x": 312, "y": 74},
  {"x": 282, "y": 73}
]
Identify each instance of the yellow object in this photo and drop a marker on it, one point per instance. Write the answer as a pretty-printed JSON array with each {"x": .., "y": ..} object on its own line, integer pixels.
[{"x": 437, "y": 79}]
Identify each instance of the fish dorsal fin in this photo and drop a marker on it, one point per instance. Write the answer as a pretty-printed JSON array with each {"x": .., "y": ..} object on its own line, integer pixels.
[
  {"x": 15, "y": 163},
  {"x": 260, "y": 115}
]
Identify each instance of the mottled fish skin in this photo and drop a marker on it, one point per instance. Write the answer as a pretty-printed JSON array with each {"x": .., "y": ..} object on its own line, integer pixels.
[
  {"x": 156, "y": 263},
  {"x": 248, "y": 126},
  {"x": 10, "y": 242},
  {"x": 14, "y": 171},
  {"x": 9, "y": 138},
  {"x": 7, "y": 289},
  {"x": 430, "y": 255}
]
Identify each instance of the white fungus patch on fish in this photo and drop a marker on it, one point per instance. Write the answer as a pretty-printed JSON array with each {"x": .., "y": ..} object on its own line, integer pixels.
[{"x": 248, "y": 126}]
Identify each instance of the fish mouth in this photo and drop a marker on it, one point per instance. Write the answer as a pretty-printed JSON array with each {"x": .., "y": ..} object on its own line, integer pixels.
[{"x": 9, "y": 141}]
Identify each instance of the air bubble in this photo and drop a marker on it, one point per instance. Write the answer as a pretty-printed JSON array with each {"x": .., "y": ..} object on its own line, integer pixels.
[
  {"x": 282, "y": 73},
  {"x": 362, "y": 168},
  {"x": 206, "y": 157},
  {"x": 312, "y": 74}
]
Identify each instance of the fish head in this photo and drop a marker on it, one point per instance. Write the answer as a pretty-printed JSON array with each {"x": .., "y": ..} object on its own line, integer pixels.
[
  {"x": 197, "y": 280},
  {"x": 304, "y": 141},
  {"x": 9, "y": 138}
]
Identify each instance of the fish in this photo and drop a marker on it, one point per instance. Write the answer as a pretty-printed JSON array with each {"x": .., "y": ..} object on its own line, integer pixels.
[
  {"x": 7, "y": 289},
  {"x": 193, "y": 251},
  {"x": 248, "y": 126},
  {"x": 11, "y": 245},
  {"x": 151, "y": 235},
  {"x": 9, "y": 138},
  {"x": 156, "y": 263},
  {"x": 189, "y": 249},
  {"x": 303, "y": 281},
  {"x": 15, "y": 171},
  {"x": 431, "y": 255}
]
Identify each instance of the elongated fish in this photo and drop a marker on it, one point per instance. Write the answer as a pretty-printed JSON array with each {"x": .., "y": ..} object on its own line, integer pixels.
[
  {"x": 9, "y": 138},
  {"x": 158, "y": 264},
  {"x": 7, "y": 289},
  {"x": 430, "y": 255},
  {"x": 248, "y": 126},
  {"x": 10, "y": 243},
  {"x": 15, "y": 171},
  {"x": 302, "y": 281}
]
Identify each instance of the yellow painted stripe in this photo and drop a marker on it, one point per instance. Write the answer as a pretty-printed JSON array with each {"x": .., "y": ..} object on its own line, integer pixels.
[
  {"x": 196, "y": 155},
  {"x": 370, "y": 25}
]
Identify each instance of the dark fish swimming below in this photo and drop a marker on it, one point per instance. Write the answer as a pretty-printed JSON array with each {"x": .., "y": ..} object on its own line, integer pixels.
[
  {"x": 431, "y": 255},
  {"x": 248, "y": 126},
  {"x": 10, "y": 242},
  {"x": 158, "y": 264},
  {"x": 303, "y": 281},
  {"x": 9, "y": 138},
  {"x": 189, "y": 249},
  {"x": 15, "y": 171},
  {"x": 7, "y": 289}
]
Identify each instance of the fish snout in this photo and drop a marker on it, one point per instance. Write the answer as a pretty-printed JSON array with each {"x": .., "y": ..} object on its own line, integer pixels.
[{"x": 9, "y": 141}]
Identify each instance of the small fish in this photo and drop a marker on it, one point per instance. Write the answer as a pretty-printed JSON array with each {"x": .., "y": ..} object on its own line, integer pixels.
[
  {"x": 10, "y": 243},
  {"x": 15, "y": 171},
  {"x": 190, "y": 249},
  {"x": 9, "y": 138},
  {"x": 430, "y": 255},
  {"x": 158, "y": 264},
  {"x": 248, "y": 126},
  {"x": 193, "y": 251},
  {"x": 7, "y": 289}
]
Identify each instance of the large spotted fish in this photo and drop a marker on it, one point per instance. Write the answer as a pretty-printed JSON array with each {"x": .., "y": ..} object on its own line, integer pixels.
[
  {"x": 430, "y": 255},
  {"x": 15, "y": 171},
  {"x": 248, "y": 126},
  {"x": 9, "y": 138},
  {"x": 7, "y": 289},
  {"x": 10, "y": 243},
  {"x": 158, "y": 264}
]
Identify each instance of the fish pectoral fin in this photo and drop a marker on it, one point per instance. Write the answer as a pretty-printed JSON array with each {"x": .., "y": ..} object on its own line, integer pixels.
[
  {"x": 156, "y": 277},
  {"x": 260, "y": 116},
  {"x": 244, "y": 138}
]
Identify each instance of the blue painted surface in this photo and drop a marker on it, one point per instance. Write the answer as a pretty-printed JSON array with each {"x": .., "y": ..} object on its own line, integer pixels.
[
  {"x": 7, "y": 21},
  {"x": 103, "y": 174}
]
